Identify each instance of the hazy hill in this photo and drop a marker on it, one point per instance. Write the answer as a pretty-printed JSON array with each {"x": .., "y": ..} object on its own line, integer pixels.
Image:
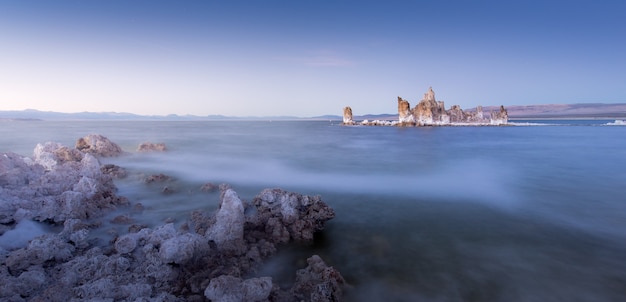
[{"x": 564, "y": 111}]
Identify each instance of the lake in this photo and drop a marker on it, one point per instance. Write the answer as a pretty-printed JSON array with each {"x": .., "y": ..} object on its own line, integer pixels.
[{"x": 530, "y": 212}]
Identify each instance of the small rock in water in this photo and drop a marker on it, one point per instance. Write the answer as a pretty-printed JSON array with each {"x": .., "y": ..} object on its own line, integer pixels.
[
  {"x": 122, "y": 219},
  {"x": 157, "y": 178},
  {"x": 149, "y": 147},
  {"x": 209, "y": 187},
  {"x": 114, "y": 171}
]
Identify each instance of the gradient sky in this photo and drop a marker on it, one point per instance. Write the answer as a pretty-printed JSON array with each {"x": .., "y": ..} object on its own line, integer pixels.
[{"x": 307, "y": 58}]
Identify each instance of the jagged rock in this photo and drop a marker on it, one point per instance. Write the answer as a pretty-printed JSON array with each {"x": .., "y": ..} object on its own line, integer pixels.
[
  {"x": 347, "y": 116},
  {"x": 500, "y": 118},
  {"x": 404, "y": 112},
  {"x": 456, "y": 114},
  {"x": 428, "y": 111},
  {"x": 227, "y": 232},
  {"x": 149, "y": 147},
  {"x": 285, "y": 216},
  {"x": 162, "y": 263},
  {"x": 318, "y": 282},
  {"x": 227, "y": 288},
  {"x": 98, "y": 145},
  {"x": 55, "y": 184}
]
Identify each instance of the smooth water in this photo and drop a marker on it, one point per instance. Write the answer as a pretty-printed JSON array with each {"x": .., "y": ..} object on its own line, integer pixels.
[{"x": 533, "y": 212}]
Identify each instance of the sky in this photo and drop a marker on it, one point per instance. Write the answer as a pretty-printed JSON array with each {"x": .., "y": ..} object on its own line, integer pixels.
[{"x": 307, "y": 58}]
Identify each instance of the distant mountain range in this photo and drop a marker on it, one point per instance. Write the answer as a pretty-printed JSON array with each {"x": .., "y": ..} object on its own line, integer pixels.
[
  {"x": 564, "y": 111},
  {"x": 31, "y": 114},
  {"x": 527, "y": 111}
]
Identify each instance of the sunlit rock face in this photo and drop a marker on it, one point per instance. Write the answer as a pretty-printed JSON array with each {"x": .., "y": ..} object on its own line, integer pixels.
[
  {"x": 347, "y": 116},
  {"x": 456, "y": 114},
  {"x": 404, "y": 111},
  {"x": 500, "y": 117},
  {"x": 428, "y": 111}
]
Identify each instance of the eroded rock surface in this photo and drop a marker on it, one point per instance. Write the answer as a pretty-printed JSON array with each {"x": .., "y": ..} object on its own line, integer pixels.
[
  {"x": 210, "y": 256},
  {"x": 55, "y": 184},
  {"x": 500, "y": 117},
  {"x": 347, "y": 116},
  {"x": 429, "y": 111},
  {"x": 404, "y": 112},
  {"x": 98, "y": 145}
]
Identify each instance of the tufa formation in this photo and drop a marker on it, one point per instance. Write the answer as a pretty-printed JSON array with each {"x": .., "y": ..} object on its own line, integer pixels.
[{"x": 430, "y": 112}]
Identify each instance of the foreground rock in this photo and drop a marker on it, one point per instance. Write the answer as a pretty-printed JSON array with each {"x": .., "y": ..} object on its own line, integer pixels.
[
  {"x": 56, "y": 184},
  {"x": 210, "y": 256}
]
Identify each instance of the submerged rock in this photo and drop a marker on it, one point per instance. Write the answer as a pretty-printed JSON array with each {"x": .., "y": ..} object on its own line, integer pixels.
[
  {"x": 157, "y": 178},
  {"x": 318, "y": 282},
  {"x": 150, "y": 147},
  {"x": 285, "y": 216},
  {"x": 114, "y": 170}
]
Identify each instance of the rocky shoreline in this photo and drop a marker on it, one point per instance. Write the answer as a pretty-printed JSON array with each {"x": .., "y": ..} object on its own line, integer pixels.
[
  {"x": 430, "y": 112},
  {"x": 209, "y": 257}
]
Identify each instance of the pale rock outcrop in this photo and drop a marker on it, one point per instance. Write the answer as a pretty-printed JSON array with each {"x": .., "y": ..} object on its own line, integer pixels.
[
  {"x": 500, "y": 117},
  {"x": 456, "y": 114},
  {"x": 55, "y": 184},
  {"x": 98, "y": 145},
  {"x": 428, "y": 111},
  {"x": 227, "y": 232},
  {"x": 347, "y": 116},
  {"x": 405, "y": 115},
  {"x": 150, "y": 147}
]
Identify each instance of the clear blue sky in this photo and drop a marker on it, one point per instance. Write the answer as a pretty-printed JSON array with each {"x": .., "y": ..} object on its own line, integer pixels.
[{"x": 307, "y": 58}]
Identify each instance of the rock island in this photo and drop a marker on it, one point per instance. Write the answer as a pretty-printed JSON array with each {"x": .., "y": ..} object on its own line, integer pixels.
[{"x": 430, "y": 112}]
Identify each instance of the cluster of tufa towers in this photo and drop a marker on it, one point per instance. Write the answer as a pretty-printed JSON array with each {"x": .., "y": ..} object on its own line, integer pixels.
[{"x": 430, "y": 112}]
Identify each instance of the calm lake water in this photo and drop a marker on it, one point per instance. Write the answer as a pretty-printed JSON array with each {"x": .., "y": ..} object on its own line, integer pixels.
[{"x": 532, "y": 212}]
